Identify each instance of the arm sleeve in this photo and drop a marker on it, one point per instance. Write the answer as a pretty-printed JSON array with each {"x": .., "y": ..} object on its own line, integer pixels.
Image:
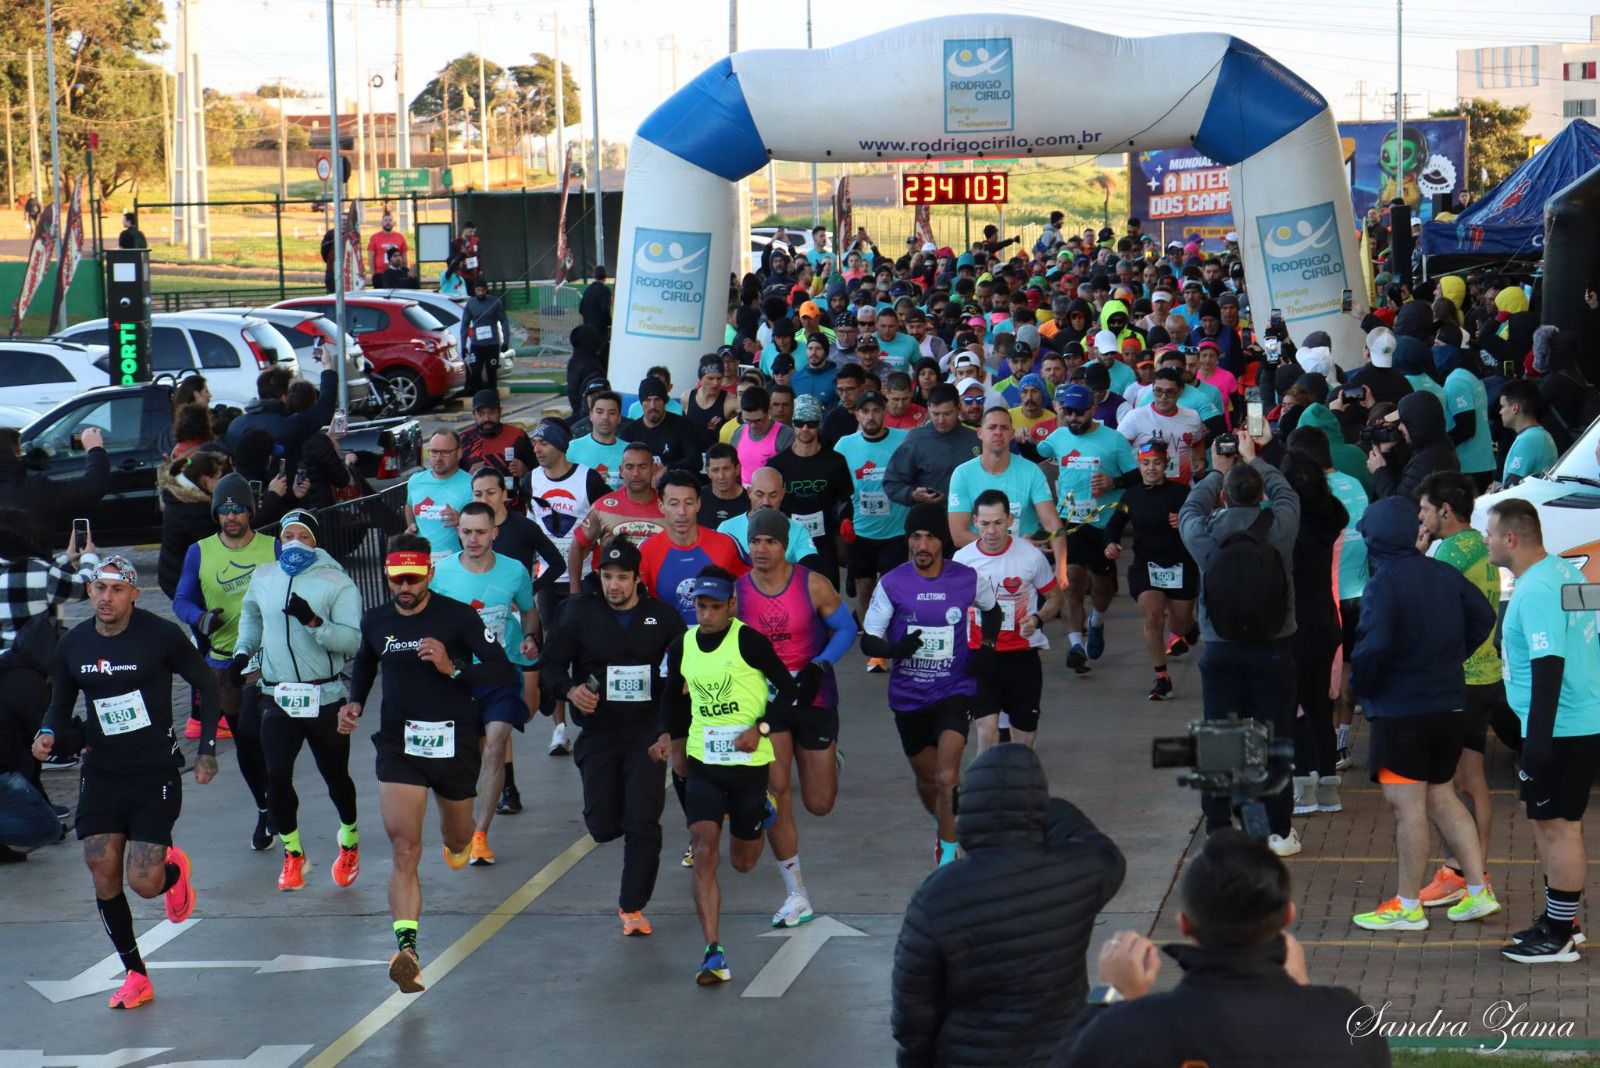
[
  {"x": 1543, "y": 698},
  {"x": 59, "y": 719},
  {"x": 556, "y": 658},
  {"x": 1465, "y": 425},
  {"x": 186, "y": 662},
  {"x": 842, "y": 627},
  {"x": 596, "y": 486},
  {"x": 1374, "y": 635},
  {"x": 304, "y": 424},
  {"x": 1215, "y": 426},
  {"x": 341, "y": 631},
  {"x": 1194, "y": 516},
  {"x": 63, "y": 585},
  {"x": 86, "y": 488},
  {"x": 1477, "y": 616},
  {"x": 1068, "y": 829},
  {"x": 555, "y": 565},
  {"x": 1117, "y": 523},
  {"x": 1285, "y": 504},
  {"x": 248, "y": 639},
  {"x": 189, "y": 603},
  {"x": 363, "y": 671},
  {"x": 492, "y": 667}
]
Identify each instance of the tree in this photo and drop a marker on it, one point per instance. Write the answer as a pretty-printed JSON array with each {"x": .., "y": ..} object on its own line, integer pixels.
[
  {"x": 455, "y": 90},
  {"x": 269, "y": 91},
  {"x": 1495, "y": 141},
  {"x": 122, "y": 103},
  {"x": 535, "y": 85}
]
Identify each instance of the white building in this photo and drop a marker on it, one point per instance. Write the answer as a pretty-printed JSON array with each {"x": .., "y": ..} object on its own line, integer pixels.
[{"x": 1557, "y": 81}]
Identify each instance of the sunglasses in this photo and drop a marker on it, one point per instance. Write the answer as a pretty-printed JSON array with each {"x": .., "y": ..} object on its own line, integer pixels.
[
  {"x": 408, "y": 580},
  {"x": 1151, "y": 448},
  {"x": 812, "y": 423},
  {"x": 232, "y": 509}
]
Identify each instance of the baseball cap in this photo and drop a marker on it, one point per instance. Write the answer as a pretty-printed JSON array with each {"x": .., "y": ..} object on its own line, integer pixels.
[
  {"x": 1193, "y": 283},
  {"x": 1105, "y": 341},
  {"x": 810, "y": 308},
  {"x": 929, "y": 246},
  {"x": 782, "y": 364},
  {"x": 486, "y": 398},
  {"x": 868, "y": 343},
  {"x": 1022, "y": 349},
  {"x": 966, "y": 359},
  {"x": 409, "y": 562},
  {"x": 871, "y": 396},
  {"x": 718, "y": 589},
  {"x": 972, "y": 385},
  {"x": 1231, "y": 235},
  {"x": 597, "y": 384},
  {"x": 1075, "y": 398},
  {"x": 808, "y": 409},
  {"x": 1095, "y": 376},
  {"x": 117, "y": 568},
  {"x": 1161, "y": 294},
  {"x": 620, "y": 553}
]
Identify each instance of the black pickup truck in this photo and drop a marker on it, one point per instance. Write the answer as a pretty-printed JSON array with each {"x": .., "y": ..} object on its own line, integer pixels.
[{"x": 137, "y": 423}]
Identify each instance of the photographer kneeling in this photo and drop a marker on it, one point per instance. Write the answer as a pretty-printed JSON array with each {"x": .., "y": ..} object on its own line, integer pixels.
[{"x": 1244, "y": 997}]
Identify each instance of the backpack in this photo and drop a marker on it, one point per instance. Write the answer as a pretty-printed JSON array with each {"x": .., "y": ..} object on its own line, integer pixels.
[{"x": 1245, "y": 588}]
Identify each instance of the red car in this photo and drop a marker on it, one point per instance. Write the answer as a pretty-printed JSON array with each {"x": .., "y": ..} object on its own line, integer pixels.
[{"x": 413, "y": 353}]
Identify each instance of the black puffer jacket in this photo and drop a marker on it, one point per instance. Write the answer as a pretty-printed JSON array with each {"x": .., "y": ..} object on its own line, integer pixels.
[
  {"x": 185, "y": 519},
  {"x": 990, "y": 965},
  {"x": 1430, "y": 448}
]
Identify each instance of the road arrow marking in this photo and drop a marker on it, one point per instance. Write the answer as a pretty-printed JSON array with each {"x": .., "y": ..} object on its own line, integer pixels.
[
  {"x": 35, "y": 1058},
  {"x": 802, "y": 944},
  {"x": 108, "y": 973}
]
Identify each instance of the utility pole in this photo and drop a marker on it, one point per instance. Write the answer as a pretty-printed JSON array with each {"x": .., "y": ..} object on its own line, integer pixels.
[
  {"x": 33, "y": 129},
  {"x": 11, "y": 174},
  {"x": 339, "y": 225},
  {"x": 483, "y": 110},
  {"x": 283, "y": 143},
  {"x": 166, "y": 155},
  {"x": 1399, "y": 99},
  {"x": 55, "y": 123},
  {"x": 560, "y": 81},
  {"x": 402, "y": 113},
  {"x": 190, "y": 169},
  {"x": 741, "y": 236},
  {"x": 361, "y": 118},
  {"x": 816, "y": 204},
  {"x": 594, "y": 114}
]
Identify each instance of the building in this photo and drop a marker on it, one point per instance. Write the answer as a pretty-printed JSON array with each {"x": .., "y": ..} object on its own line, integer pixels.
[{"x": 1557, "y": 81}]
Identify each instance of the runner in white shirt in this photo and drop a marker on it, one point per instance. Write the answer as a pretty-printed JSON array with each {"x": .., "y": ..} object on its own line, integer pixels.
[
  {"x": 1163, "y": 420},
  {"x": 1025, "y": 587}
]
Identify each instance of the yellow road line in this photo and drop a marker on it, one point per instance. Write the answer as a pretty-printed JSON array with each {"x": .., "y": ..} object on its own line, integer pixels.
[{"x": 460, "y": 950}]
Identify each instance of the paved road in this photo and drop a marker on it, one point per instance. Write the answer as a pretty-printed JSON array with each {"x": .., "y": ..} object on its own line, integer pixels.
[{"x": 542, "y": 975}]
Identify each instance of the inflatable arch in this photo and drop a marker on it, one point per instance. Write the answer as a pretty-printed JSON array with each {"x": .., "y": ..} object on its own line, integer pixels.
[{"x": 973, "y": 87}]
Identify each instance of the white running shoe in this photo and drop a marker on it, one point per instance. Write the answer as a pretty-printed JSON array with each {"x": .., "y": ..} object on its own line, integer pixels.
[
  {"x": 559, "y": 746},
  {"x": 1305, "y": 795},
  {"x": 795, "y": 911},
  {"x": 1284, "y": 845}
]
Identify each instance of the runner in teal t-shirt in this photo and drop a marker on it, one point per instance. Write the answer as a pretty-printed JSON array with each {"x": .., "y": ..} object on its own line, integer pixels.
[
  {"x": 900, "y": 351},
  {"x": 1022, "y": 482},
  {"x": 1463, "y": 393},
  {"x": 603, "y": 458},
  {"x": 875, "y": 516},
  {"x": 1536, "y": 626},
  {"x": 1534, "y": 450},
  {"x": 436, "y": 494},
  {"x": 1084, "y": 448},
  {"x": 500, "y": 596}
]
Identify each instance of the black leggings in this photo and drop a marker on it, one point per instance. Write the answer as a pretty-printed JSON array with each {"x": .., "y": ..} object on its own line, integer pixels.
[
  {"x": 281, "y": 738},
  {"x": 1315, "y": 748},
  {"x": 247, "y": 744}
]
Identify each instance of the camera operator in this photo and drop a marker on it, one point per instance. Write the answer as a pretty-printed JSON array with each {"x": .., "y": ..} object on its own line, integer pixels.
[
  {"x": 1245, "y": 554},
  {"x": 1420, "y": 619},
  {"x": 1245, "y": 996},
  {"x": 1403, "y": 451}
]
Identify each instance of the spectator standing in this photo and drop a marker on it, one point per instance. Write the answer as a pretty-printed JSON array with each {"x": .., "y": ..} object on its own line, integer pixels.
[
  {"x": 594, "y": 307},
  {"x": 270, "y": 412},
  {"x": 485, "y": 333},
  {"x": 131, "y": 237},
  {"x": 47, "y": 498},
  {"x": 185, "y": 487}
]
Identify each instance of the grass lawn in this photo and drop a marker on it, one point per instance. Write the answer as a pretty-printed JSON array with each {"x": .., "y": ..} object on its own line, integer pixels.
[{"x": 1465, "y": 1059}]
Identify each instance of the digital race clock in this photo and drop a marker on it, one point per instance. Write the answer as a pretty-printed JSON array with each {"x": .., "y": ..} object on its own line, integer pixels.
[{"x": 931, "y": 188}]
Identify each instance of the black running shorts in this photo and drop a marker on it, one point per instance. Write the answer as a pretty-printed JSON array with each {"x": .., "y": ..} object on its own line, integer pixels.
[
  {"x": 921, "y": 729},
  {"x": 738, "y": 791},
  {"x": 141, "y": 806},
  {"x": 1017, "y": 689},
  {"x": 452, "y": 778},
  {"x": 1563, "y": 792}
]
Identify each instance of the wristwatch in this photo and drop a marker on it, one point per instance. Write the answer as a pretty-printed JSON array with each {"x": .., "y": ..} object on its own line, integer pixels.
[
  {"x": 1104, "y": 994},
  {"x": 764, "y": 727},
  {"x": 460, "y": 666}
]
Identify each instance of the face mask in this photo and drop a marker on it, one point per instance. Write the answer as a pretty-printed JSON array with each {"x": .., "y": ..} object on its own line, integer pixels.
[{"x": 294, "y": 558}]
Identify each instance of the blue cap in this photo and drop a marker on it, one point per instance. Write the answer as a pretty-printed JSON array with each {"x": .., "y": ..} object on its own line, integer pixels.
[
  {"x": 1033, "y": 381},
  {"x": 718, "y": 589},
  {"x": 1077, "y": 398}
]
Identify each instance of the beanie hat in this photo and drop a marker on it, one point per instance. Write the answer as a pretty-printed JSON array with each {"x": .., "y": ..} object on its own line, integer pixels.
[
  {"x": 233, "y": 490},
  {"x": 932, "y": 517},
  {"x": 769, "y": 523},
  {"x": 300, "y": 517}
]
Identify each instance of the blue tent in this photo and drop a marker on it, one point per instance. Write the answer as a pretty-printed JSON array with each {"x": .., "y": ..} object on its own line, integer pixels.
[{"x": 1510, "y": 219}]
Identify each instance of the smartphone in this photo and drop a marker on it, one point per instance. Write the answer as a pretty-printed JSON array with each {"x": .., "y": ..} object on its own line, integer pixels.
[
  {"x": 1355, "y": 394},
  {"x": 255, "y": 488},
  {"x": 1276, "y": 319},
  {"x": 1256, "y": 418},
  {"x": 1348, "y": 301},
  {"x": 80, "y": 534},
  {"x": 341, "y": 421},
  {"x": 510, "y": 454},
  {"x": 593, "y": 684},
  {"x": 276, "y": 469}
]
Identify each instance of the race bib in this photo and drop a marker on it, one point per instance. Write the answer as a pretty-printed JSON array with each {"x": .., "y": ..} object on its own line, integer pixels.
[
  {"x": 938, "y": 643},
  {"x": 1008, "y": 614},
  {"x": 472, "y": 263},
  {"x": 299, "y": 700},
  {"x": 122, "y": 714},
  {"x": 716, "y": 744},
  {"x": 433, "y": 740},
  {"x": 873, "y": 502},
  {"x": 483, "y": 333},
  {"x": 494, "y": 618},
  {"x": 813, "y": 523},
  {"x": 1175, "y": 453},
  {"x": 1080, "y": 503},
  {"x": 628, "y": 682},
  {"x": 1166, "y": 578}
]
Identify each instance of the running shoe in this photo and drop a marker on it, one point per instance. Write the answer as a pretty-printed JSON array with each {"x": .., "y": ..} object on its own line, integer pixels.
[
  {"x": 57, "y": 762},
  {"x": 134, "y": 991},
  {"x": 796, "y": 910},
  {"x": 1474, "y": 906},
  {"x": 456, "y": 861},
  {"x": 1345, "y": 760},
  {"x": 1539, "y": 926},
  {"x": 1445, "y": 888},
  {"x": 1542, "y": 946},
  {"x": 1162, "y": 689},
  {"x": 191, "y": 730},
  {"x": 634, "y": 923},
  {"x": 1097, "y": 640},
  {"x": 559, "y": 746},
  {"x": 1285, "y": 845},
  {"x": 348, "y": 866},
  {"x": 714, "y": 968},
  {"x": 293, "y": 875},
  {"x": 1078, "y": 660},
  {"x": 1328, "y": 794},
  {"x": 1305, "y": 794},
  {"x": 510, "y": 802},
  {"x": 261, "y": 838},
  {"x": 877, "y": 665},
  {"x": 181, "y": 898},
  {"x": 1390, "y": 916},
  {"x": 406, "y": 971},
  {"x": 224, "y": 732},
  {"x": 1177, "y": 646},
  {"x": 688, "y": 857},
  {"x": 482, "y": 855}
]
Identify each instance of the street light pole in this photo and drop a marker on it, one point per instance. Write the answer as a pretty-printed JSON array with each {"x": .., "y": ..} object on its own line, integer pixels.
[
  {"x": 338, "y": 210},
  {"x": 816, "y": 206},
  {"x": 594, "y": 110}
]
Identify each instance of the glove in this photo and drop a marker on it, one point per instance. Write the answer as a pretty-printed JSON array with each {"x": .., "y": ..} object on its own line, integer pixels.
[
  {"x": 847, "y": 530},
  {"x": 209, "y": 623},
  {"x": 809, "y": 681},
  {"x": 300, "y": 610},
  {"x": 981, "y": 663},
  {"x": 907, "y": 646},
  {"x": 234, "y": 672}
]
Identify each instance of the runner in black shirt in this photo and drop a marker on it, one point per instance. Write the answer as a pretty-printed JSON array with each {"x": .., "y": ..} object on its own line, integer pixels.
[
  {"x": 1163, "y": 578},
  {"x": 817, "y": 486},
  {"x": 722, "y": 472},
  {"x": 130, "y": 794},
  {"x": 426, "y": 644}
]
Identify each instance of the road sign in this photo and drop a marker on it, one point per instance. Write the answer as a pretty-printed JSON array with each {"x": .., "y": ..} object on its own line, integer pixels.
[
  {"x": 802, "y": 944},
  {"x": 447, "y": 178},
  {"x": 324, "y": 168},
  {"x": 393, "y": 181}
]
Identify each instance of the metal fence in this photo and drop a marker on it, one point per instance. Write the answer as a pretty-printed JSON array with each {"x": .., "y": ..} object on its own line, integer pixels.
[{"x": 356, "y": 534}]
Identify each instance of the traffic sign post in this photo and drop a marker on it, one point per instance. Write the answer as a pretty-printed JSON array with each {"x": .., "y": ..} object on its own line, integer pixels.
[{"x": 397, "y": 181}]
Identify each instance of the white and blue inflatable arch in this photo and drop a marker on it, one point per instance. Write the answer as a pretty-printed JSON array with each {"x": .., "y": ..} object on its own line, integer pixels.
[{"x": 979, "y": 86}]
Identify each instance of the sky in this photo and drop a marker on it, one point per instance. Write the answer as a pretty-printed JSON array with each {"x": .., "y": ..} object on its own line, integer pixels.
[{"x": 1345, "y": 49}]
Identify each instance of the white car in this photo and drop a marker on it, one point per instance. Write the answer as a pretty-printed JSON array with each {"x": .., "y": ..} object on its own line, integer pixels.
[
  {"x": 1567, "y": 498},
  {"x": 228, "y": 350},
  {"x": 35, "y": 376},
  {"x": 314, "y": 337}
]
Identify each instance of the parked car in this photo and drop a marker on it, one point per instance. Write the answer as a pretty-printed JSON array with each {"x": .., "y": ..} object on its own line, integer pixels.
[
  {"x": 229, "y": 351},
  {"x": 796, "y": 239},
  {"x": 304, "y": 330},
  {"x": 137, "y": 424},
  {"x": 410, "y": 350},
  {"x": 445, "y": 309},
  {"x": 1567, "y": 498},
  {"x": 35, "y": 376}
]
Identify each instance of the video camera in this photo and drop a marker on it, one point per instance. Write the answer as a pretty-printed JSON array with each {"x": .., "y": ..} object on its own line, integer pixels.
[
  {"x": 1373, "y": 436},
  {"x": 1237, "y": 757}
]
